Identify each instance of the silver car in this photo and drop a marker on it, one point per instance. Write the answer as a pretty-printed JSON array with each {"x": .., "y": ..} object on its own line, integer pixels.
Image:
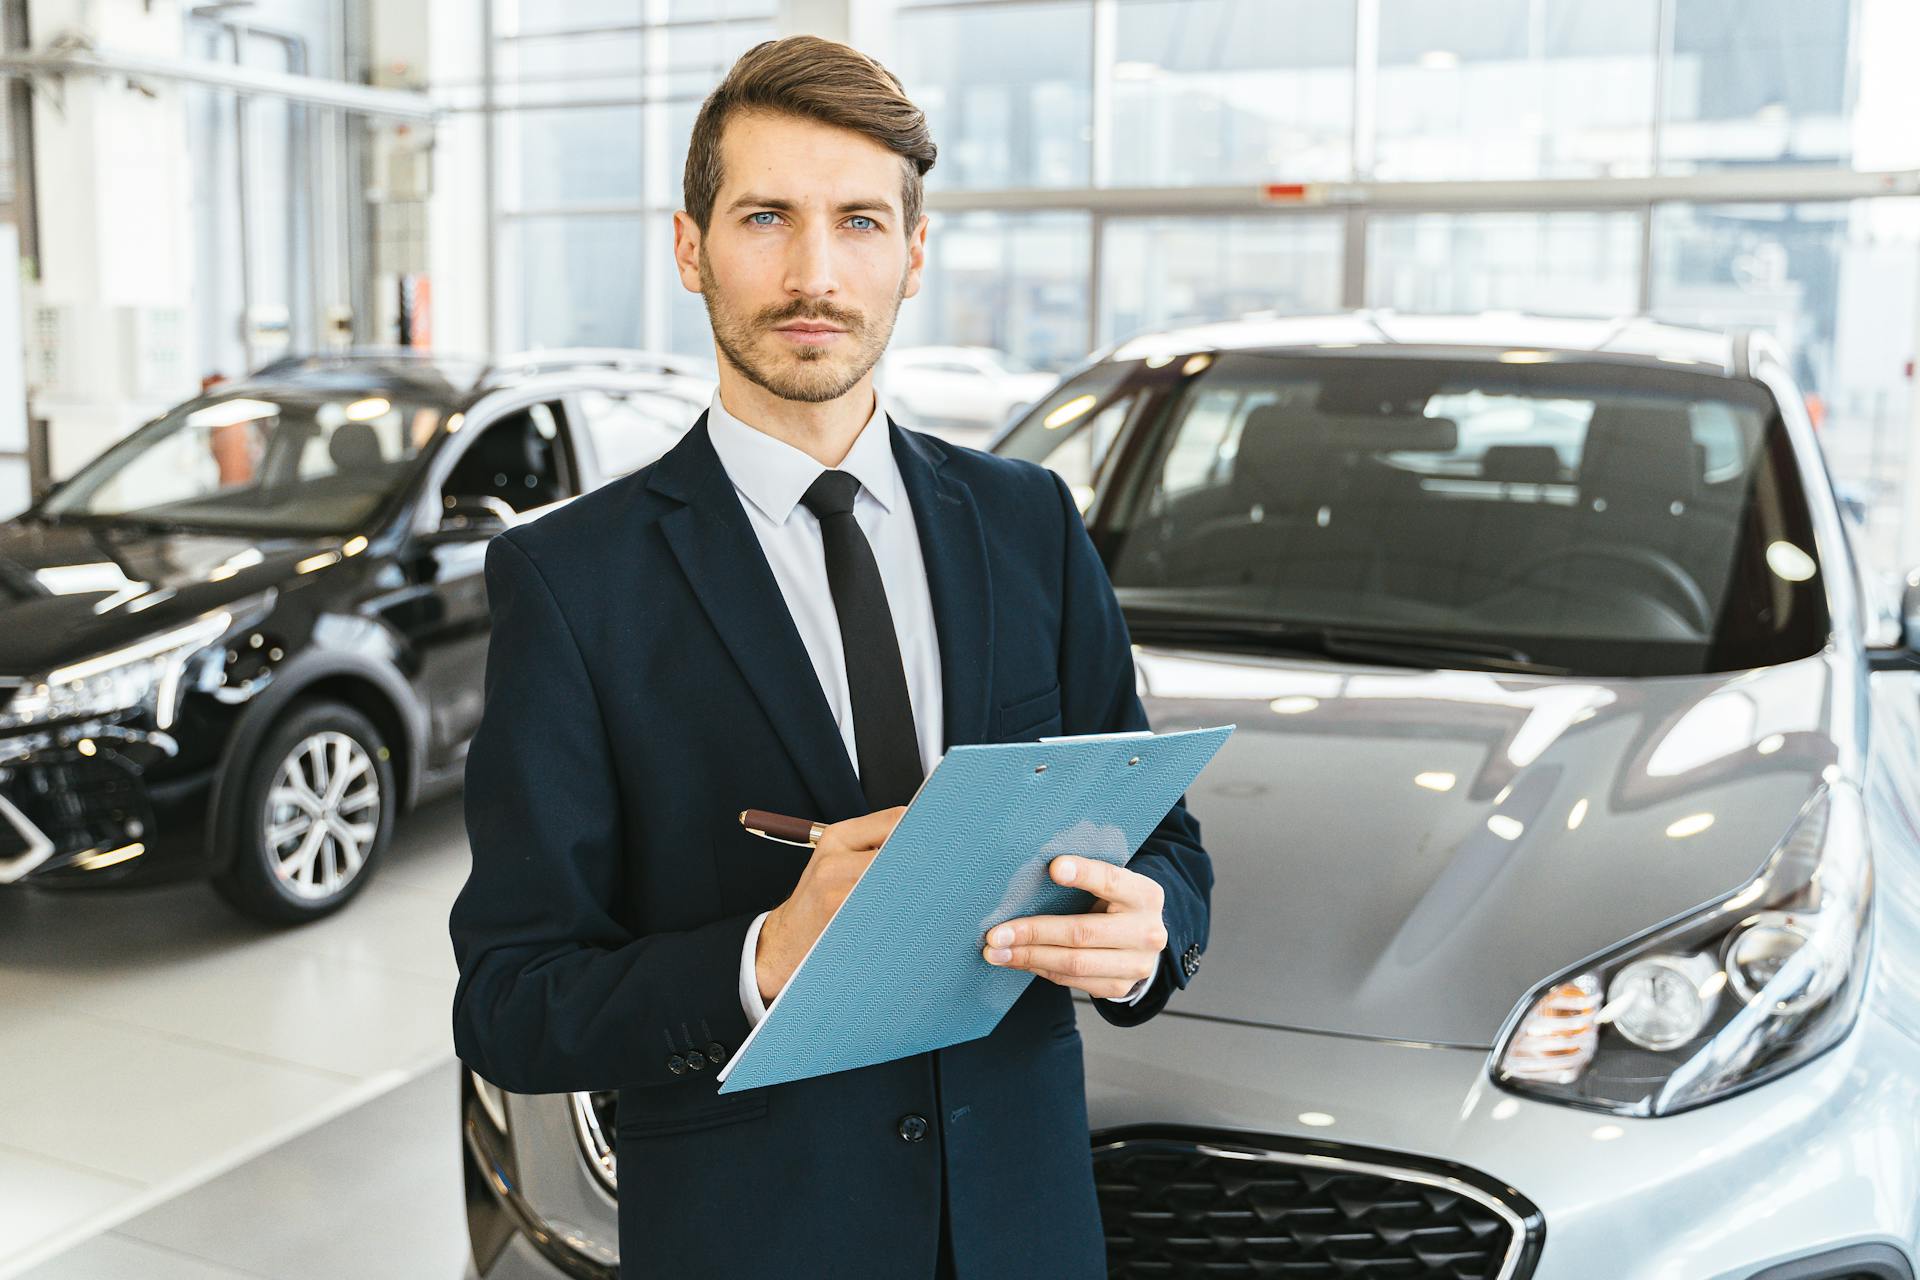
[{"x": 1567, "y": 853}]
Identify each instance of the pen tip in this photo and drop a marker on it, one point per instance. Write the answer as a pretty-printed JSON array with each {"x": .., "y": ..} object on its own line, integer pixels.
[{"x": 743, "y": 817}]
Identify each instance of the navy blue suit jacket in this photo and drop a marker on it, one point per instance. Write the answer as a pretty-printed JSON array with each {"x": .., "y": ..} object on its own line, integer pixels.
[{"x": 645, "y": 683}]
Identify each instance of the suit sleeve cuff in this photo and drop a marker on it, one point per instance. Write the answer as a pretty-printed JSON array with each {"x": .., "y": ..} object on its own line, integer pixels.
[{"x": 750, "y": 1002}]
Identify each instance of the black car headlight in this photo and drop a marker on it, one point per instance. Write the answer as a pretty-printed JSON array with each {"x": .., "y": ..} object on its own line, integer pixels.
[
  {"x": 1750, "y": 987},
  {"x": 143, "y": 676}
]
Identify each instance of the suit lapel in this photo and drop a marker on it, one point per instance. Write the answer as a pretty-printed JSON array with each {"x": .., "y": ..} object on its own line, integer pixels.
[
  {"x": 955, "y": 552},
  {"x": 716, "y": 547},
  {"x": 723, "y": 562}
]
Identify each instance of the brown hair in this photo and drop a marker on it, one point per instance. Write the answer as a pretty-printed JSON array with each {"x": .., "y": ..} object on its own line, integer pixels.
[{"x": 819, "y": 80}]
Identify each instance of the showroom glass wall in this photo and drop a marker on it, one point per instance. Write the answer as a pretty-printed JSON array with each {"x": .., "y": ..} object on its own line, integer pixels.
[
  {"x": 1072, "y": 133},
  {"x": 594, "y": 102},
  {"x": 280, "y": 223}
]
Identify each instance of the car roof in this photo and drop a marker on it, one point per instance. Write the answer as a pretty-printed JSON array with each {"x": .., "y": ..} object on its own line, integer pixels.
[
  {"x": 457, "y": 381},
  {"x": 440, "y": 380},
  {"x": 1489, "y": 335}
]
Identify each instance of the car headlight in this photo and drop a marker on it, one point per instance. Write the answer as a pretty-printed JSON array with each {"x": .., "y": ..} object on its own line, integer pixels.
[
  {"x": 1750, "y": 987},
  {"x": 141, "y": 676}
]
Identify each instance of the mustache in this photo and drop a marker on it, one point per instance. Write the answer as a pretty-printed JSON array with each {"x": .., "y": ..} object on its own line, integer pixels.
[{"x": 848, "y": 320}]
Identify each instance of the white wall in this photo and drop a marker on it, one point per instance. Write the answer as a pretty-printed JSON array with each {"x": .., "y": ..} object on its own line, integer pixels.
[
  {"x": 107, "y": 323},
  {"x": 459, "y": 245}
]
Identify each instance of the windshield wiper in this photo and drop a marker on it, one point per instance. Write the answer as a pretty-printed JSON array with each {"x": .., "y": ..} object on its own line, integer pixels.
[
  {"x": 1393, "y": 648},
  {"x": 152, "y": 524}
]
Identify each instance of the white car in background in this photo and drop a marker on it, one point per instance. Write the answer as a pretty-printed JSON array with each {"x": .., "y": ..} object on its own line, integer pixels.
[
  {"x": 1566, "y": 920},
  {"x": 963, "y": 394}
]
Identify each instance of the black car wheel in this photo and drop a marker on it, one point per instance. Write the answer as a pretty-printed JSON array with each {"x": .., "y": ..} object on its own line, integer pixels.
[{"x": 316, "y": 812}]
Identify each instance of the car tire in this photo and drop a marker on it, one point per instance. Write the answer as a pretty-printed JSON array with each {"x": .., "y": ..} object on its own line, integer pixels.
[{"x": 282, "y": 870}]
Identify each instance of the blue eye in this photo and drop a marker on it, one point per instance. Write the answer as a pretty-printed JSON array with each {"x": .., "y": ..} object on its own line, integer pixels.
[{"x": 768, "y": 213}]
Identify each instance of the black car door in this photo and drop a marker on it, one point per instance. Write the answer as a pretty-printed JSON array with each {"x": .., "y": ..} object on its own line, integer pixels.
[{"x": 520, "y": 464}]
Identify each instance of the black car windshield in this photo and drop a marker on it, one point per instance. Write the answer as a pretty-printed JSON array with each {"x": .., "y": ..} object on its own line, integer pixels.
[
  {"x": 298, "y": 463},
  {"x": 1553, "y": 514}
]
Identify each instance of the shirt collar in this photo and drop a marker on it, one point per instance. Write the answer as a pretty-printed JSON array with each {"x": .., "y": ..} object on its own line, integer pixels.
[{"x": 773, "y": 475}]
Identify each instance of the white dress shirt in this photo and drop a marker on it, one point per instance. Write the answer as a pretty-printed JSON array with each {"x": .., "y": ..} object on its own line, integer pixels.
[{"x": 770, "y": 476}]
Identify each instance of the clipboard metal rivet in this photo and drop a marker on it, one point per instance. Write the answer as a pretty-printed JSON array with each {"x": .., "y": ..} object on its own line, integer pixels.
[
  {"x": 1134, "y": 761},
  {"x": 1039, "y": 768}
]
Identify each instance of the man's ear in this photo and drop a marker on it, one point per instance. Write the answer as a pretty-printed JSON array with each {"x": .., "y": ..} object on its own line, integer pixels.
[
  {"x": 686, "y": 250},
  {"x": 916, "y": 257}
]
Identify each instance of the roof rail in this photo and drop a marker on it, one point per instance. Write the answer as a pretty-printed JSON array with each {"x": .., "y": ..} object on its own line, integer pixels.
[
  {"x": 423, "y": 358},
  {"x": 1619, "y": 326},
  {"x": 1372, "y": 316},
  {"x": 1742, "y": 353}
]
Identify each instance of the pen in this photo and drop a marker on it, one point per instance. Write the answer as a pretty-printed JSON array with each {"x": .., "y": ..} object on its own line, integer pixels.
[{"x": 778, "y": 826}]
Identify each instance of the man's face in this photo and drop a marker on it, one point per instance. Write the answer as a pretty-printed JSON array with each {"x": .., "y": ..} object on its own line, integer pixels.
[{"x": 806, "y": 231}]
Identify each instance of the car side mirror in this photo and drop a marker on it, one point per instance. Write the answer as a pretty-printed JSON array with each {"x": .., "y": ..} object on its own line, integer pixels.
[{"x": 466, "y": 517}]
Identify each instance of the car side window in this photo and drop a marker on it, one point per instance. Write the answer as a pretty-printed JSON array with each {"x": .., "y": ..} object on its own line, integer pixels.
[
  {"x": 631, "y": 430},
  {"x": 1723, "y": 446},
  {"x": 1081, "y": 457},
  {"x": 1073, "y": 430},
  {"x": 517, "y": 459}
]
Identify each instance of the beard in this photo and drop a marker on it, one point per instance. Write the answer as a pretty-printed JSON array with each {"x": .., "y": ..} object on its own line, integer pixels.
[{"x": 812, "y": 375}]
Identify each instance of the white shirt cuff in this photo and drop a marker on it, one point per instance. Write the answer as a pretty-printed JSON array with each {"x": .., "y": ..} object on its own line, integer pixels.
[
  {"x": 750, "y": 1001},
  {"x": 1139, "y": 989}
]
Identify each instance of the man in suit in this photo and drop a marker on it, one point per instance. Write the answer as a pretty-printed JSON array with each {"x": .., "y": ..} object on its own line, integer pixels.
[{"x": 798, "y": 608}]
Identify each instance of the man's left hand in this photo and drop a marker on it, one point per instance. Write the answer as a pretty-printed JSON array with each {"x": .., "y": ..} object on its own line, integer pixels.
[{"x": 1103, "y": 952}]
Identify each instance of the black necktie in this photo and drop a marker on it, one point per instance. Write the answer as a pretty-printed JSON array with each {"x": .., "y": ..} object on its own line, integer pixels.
[{"x": 888, "y": 751}]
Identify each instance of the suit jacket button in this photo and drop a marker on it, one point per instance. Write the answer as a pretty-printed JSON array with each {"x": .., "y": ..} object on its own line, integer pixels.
[
  {"x": 677, "y": 1065},
  {"x": 912, "y": 1128},
  {"x": 716, "y": 1052},
  {"x": 696, "y": 1059}
]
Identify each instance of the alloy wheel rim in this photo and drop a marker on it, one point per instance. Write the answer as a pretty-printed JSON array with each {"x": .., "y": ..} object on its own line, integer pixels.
[{"x": 323, "y": 811}]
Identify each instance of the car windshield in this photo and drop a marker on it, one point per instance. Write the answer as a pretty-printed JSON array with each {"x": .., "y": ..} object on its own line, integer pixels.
[
  {"x": 1561, "y": 515},
  {"x": 296, "y": 463}
]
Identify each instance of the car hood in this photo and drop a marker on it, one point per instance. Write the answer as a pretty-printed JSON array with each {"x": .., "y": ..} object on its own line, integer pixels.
[
  {"x": 1406, "y": 854},
  {"x": 70, "y": 591}
]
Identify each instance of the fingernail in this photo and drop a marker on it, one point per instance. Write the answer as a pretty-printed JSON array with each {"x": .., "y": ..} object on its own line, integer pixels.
[
  {"x": 1000, "y": 937},
  {"x": 999, "y": 955},
  {"x": 1069, "y": 868}
]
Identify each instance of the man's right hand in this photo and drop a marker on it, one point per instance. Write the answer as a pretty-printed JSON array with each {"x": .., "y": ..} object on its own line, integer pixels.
[{"x": 839, "y": 859}]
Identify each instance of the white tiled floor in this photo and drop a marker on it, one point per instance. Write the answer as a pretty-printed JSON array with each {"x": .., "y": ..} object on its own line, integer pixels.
[
  {"x": 372, "y": 1195},
  {"x": 152, "y": 1041}
]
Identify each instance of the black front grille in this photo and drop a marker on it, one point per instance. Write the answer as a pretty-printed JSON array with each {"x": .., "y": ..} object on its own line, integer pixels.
[{"x": 1180, "y": 1204}]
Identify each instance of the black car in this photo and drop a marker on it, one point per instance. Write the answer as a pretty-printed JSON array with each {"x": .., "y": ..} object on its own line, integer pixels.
[{"x": 245, "y": 639}]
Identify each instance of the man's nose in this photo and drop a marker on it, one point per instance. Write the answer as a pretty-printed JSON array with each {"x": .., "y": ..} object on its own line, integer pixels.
[{"x": 810, "y": 267}]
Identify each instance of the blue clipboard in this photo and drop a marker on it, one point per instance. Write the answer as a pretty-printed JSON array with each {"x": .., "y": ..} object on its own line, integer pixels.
[{"x": 898, "y": 970}]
